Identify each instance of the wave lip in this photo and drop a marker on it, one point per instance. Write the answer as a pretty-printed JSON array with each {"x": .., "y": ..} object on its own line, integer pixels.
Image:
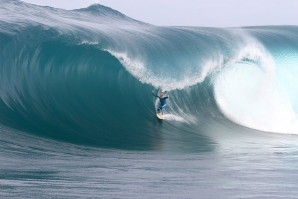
[{"x": 110, "y": 15}]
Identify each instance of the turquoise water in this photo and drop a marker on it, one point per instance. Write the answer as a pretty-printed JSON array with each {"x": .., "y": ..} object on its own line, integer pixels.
[
  {"x": 78, "y": 120},
  {"x": 236, "y": 166}
]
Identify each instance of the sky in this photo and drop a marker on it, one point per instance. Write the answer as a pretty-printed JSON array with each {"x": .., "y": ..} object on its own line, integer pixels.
[{"x": 210, "y": 13}]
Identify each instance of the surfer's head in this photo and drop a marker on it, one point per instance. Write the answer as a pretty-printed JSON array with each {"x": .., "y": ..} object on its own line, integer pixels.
[{"x": 161, "y": 94}]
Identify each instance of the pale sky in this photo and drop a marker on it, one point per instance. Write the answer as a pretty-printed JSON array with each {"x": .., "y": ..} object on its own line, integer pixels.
[{"x": 211, "y": 13}]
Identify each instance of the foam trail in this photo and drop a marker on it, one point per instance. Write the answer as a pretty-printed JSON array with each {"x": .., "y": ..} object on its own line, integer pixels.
[{"x": 174, "y": 118}]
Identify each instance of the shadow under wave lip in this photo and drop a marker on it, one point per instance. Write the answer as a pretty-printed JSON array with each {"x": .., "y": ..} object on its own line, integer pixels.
[{"x": 103, "y": 106}]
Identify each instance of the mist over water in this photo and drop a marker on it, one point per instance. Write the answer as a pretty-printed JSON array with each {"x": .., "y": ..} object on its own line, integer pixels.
[{"x": 76, "y": 108}]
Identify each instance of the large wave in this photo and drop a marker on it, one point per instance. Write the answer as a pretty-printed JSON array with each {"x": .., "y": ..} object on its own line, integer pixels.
[{"x": 86, "y": 75}]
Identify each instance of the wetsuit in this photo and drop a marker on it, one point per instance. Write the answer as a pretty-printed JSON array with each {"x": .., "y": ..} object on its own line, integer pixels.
[{"x": 163, "y": 102}]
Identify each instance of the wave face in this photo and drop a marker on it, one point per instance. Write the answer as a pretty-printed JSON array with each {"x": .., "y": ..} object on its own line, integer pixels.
[{"x": 85, "y": 76}]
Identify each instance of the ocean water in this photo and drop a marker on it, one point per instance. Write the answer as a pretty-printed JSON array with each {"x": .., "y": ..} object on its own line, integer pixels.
[{"x": 77, "y": 117}]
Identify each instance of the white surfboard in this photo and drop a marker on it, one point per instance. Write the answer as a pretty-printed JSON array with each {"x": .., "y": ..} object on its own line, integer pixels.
[{"x": 160, "y": 116}]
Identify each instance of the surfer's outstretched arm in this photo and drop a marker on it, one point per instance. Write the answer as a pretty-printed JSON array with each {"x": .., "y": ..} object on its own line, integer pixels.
[{"x": 154, "y": 94}]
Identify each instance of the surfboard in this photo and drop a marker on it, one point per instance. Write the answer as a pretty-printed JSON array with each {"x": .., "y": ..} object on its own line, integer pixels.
[{"x": 160, "y": 116}]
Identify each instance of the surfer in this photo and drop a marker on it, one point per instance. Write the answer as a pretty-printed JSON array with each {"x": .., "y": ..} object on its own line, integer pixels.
[{"x": 163, "y": 102}]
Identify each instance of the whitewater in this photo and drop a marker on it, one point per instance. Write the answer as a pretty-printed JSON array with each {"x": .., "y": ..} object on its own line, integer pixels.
[{"x": 76, "y": 108}]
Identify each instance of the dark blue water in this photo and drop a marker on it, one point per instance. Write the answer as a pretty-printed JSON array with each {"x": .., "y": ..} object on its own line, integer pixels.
[{"x": 77, "y": 117}]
